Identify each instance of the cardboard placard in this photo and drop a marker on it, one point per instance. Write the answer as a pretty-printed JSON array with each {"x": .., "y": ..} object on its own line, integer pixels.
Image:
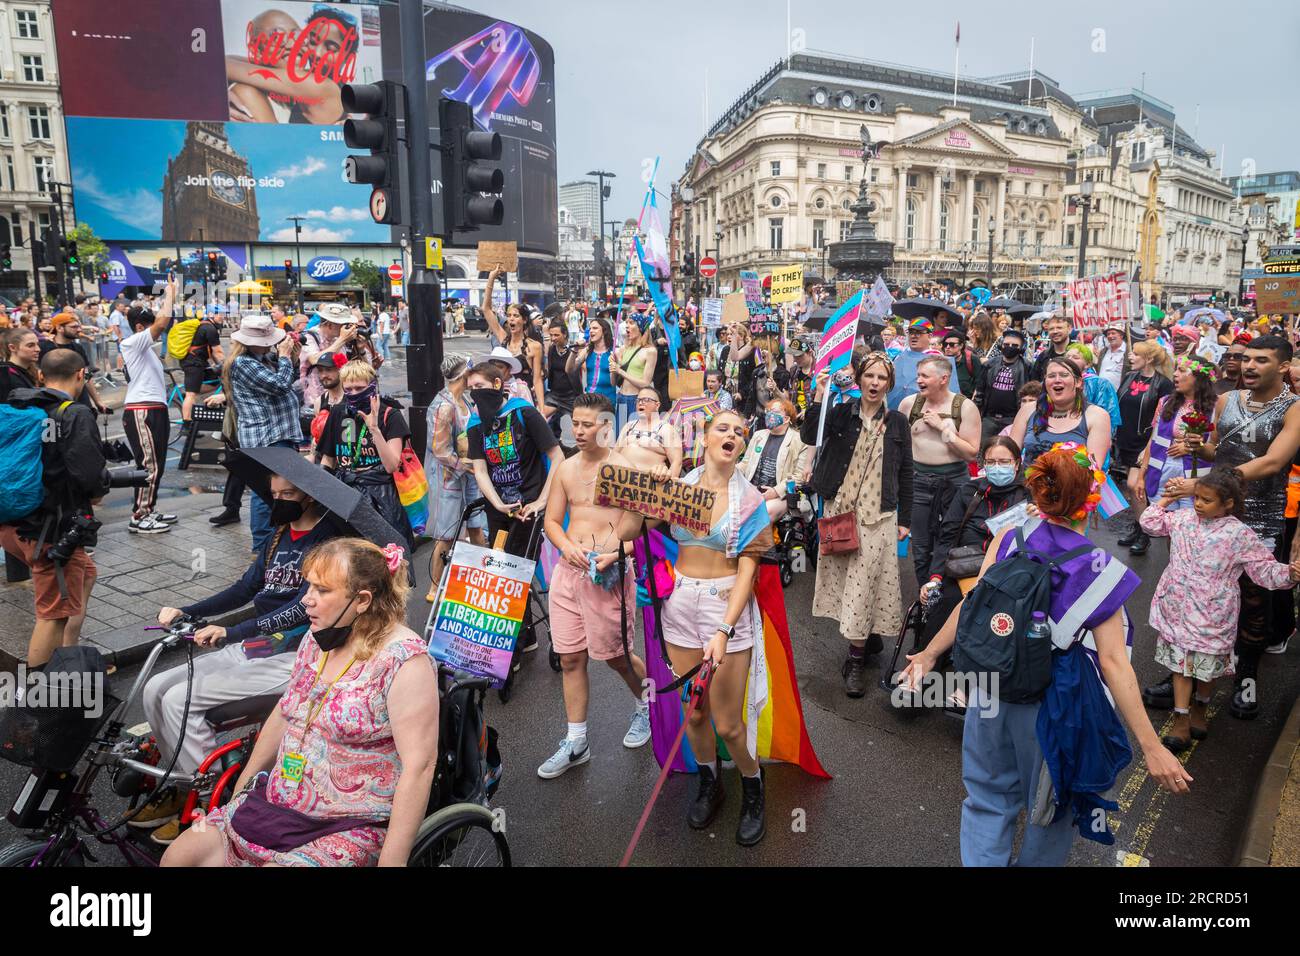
[
  {"x": 687, "y": 506},
  {"x": 1277, "y": 294},
  {"x": 498, "y": 255},
  {"x": 787, "y": 284},
  {"x": 734, "y": 309},
  {"x": 685, "y": 384}
]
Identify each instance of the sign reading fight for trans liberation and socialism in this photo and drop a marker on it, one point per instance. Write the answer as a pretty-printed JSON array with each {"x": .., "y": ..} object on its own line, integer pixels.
[
  {"x": 787, "y": 284},
  {"x": 687, "y": 506},
  {"x": 481, "y": 611}
]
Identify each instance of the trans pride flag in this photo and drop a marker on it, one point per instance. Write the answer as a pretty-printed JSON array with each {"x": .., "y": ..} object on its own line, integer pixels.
[
  {"x": 653, "y": 256},
  {"x": 836, "y": 347}
]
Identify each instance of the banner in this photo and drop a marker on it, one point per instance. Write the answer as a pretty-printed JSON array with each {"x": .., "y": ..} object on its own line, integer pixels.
[
  {"x": 787, "y": 284},
  {"x": 688, "y": 506},
  {"x": 837, "y": 341},
  {"x": 1096, "y": 301},
  {"x": 481, "y": 611}
]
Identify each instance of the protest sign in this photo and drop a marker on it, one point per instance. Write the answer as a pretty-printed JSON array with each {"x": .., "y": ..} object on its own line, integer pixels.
[
  {"x": 481, "y": 611},
  {"x": 753, "y": 287},
  {"x": 1277, "y": 294},
  {"x": 711, "y": 310},
  {"x": 498, "y": 255},
  {"x": 787, "y": 284},
  {"x": 734, "y": 310},
  {"x": 683, "y": 383},
  {"x": 688, "y": 506}
]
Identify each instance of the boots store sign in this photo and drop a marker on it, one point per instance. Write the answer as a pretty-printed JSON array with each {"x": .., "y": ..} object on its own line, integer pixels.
[{"x": 328, "y": 269}]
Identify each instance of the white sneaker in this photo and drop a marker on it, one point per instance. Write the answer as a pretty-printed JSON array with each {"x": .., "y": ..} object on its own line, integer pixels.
[
  {"x": 570, "y": 754},
  {"x": 1280, "y": 648},
  {"x": 149, "y": 524},
  {"x": 638, "y": 735},
  {"x": 165, "y": 519}
]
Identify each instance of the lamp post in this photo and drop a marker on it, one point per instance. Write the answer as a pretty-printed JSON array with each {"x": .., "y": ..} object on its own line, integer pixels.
[
  {"x": 963, "y": 260},
  {"x": 1241, "y": 283},
  {"x": 717, "y": 255},
  {"x": 602, "y": 175},
  {"x": 992, "y": 227},
  {"x": 297, "y": 254},
  {"x": 613, "y": 255},
  {"x": 1086, "y": 189}
]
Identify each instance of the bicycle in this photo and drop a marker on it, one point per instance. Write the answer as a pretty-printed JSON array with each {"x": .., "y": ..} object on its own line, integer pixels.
[{"x": 176, "y": 402}]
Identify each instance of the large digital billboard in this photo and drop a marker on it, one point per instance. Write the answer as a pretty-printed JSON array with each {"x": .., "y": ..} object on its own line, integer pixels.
[{"x": 215, "y": 120}]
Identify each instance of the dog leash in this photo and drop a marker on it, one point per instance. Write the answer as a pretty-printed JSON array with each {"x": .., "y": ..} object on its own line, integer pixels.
[{"x": 698, "y": 690}]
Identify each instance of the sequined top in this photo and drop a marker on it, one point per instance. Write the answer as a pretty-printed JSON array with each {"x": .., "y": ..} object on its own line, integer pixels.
[{"x": 1243, "y": 440}]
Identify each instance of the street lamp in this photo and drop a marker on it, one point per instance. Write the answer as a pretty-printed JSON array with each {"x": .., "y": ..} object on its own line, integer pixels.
[
  {"x": 1086, "y": 189},
  {"x": 601, "y": 175},
  {"x": 992, "y": 226},
  {"x": 1241, "y": 283},
  {"x": 963, "y": 260},
  {"x": 717, "y": 253},
  {"x": 613, "y": 253},
  {"x": 297, "y": 244}
]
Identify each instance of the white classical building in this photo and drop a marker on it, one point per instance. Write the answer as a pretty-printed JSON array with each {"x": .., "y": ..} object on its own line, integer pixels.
[{"x": 33, "y": 149}]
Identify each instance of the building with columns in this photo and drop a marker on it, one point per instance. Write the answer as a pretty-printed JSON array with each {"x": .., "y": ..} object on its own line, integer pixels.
[
  {"x": 33, "y": 151},
  {"x": 773, "y": 181}
]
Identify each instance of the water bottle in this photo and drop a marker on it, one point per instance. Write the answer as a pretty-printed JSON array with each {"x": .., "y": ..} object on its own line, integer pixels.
[{"x": 1039, "y": 628}]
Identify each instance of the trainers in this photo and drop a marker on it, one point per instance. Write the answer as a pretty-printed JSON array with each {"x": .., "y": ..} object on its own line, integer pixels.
[
  {"x": 639, "y": 733},
  {"x": 166, "y": 834},
  {"x": 157, "y": 814},
  {"x": 1279, "y": 648},
  {"x": 165, "y": 519},
  {"x": 149, "y": 524},
  {"x": 567, "y": 756}
]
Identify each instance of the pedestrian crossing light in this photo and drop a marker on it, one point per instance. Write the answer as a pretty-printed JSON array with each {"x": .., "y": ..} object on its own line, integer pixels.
[
  {"x": 471, "y": 188},
  {"x": 377, "y": 132},
  {"x": 289, "y": 275},
  {"x": 6, "y": 257},
  {"x": 213, "y": 267}
]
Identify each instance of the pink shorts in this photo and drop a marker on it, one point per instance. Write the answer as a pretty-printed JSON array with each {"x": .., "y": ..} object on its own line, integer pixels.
[
  {"x": 697, "y": 608},
  {"x": 586, "y": 617}
]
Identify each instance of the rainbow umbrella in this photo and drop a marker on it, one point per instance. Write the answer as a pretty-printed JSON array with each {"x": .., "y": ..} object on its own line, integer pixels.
[{"x": 688, "y": 416}]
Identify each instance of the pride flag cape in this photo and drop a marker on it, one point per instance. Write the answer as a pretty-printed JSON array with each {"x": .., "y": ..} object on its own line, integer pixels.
[{"x": 774, "y": 721}]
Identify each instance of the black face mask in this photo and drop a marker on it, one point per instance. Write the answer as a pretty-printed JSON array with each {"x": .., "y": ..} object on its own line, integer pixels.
[
  {"x": 1011, "y": 351},
  {"x": 333, "y": 637},
  {"x": 286, "y": 512},
  {"x": 488, "y": 401}
]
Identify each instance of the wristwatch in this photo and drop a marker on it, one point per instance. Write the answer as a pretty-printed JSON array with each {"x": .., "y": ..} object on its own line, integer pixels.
[{"x": 729, "y": 630}]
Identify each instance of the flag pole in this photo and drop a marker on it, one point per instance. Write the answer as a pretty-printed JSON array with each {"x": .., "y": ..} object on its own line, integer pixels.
[
  {"x": 627, "y": 264},
  {"x": 956, "y": 63}
]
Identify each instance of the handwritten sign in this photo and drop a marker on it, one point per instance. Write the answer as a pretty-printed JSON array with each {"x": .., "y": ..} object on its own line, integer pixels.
[
  {"x": 787, "y": 284},
  {"x": 753, "y": 286},
  {"x": 711, "y": 310},
  {"x": 481, "y": 611},
  {"x": 688, "y": 506},
  {"x": 1277, "y": 294},
  {"x": 498, "y": 255}
]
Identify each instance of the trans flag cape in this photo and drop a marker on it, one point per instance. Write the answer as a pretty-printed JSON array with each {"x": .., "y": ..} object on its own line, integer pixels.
[{"x": 774, "y": 722}]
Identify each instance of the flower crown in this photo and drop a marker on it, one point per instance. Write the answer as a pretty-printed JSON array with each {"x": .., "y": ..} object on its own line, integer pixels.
[
  {"x": 1079, "y": 454},
  {"x": 1201, "y": 367}
]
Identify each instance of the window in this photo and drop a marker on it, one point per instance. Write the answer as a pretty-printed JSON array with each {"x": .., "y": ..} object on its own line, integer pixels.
[
  {"x": 979, "y": 186},
  {"x": 845, "y": 226},
  {"x": 27, "y": 28},
  {"x": 9, "y": 169},
  {"x": 819, "y": 233},
  {"x": 4, "y": 120},
  {"x": 33, "y": 68},
  {"x": 776, "y": 232},
  {"x": 42, "y": 221},
  {"x": 821, "y": 170},
  {"x": 44, "y": 167},
  {"x": 775, "y": 201},
  {"x": 820, "y": 203},
  {"x": 909, "y": 228},
  {"x": 875, "y": 174},
  {"x": 943, "y": 226},
  {"x": 776, "y": 167},
  {"x": 38, "y": 122},
  {"x": 848, "y": 174},
  {"x": 1038, "y": 244},
  {"x": 1021, "y": 235},
  {"x": 975, "y": 228},
  {"x": 913, "y": 180}
]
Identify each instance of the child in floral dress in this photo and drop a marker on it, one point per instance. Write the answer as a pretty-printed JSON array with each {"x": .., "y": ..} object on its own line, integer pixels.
[{"x": 1197, "y": 600}]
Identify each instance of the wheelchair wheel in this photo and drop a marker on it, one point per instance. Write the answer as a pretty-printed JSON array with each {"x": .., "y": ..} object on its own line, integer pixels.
[
  {"x": 463, "y": 834},
  {"x": 554, "y": 659},
  {"x": 23, "y": 853},
  {"x": 787, "y": 574}
]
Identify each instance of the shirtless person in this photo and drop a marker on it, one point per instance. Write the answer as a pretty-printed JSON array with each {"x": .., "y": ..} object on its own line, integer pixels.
[
  {"x": 586, "y": 617},
  {"x": 945, "y": 436},
  {"x": 649, "y": 442}
]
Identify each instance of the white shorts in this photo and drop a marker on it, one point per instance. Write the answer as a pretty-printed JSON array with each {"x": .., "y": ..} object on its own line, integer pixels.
[{"x": 697, "y": 608}]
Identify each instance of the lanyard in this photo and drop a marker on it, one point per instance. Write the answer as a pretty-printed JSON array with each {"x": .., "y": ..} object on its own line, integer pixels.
[{"x": 313, "y": 712}]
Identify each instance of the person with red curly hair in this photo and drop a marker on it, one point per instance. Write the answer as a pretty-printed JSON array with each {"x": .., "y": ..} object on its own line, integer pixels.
[{"x": 1002, "y": 757}]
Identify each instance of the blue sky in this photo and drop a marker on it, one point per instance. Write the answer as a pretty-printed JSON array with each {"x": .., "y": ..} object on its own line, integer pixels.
[{"x": 118, "y": 167}]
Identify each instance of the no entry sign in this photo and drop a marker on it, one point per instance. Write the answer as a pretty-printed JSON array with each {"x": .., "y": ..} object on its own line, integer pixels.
[
  {"x": 708, "y": 267},
  {"x": 395, "y": 272}
]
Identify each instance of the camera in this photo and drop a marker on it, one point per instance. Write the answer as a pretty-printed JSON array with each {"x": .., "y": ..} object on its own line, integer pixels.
[
  {"x": 127, "y": 477},
  {"x": 83, "y": 533},
  {"x": 117, "y": 450}
]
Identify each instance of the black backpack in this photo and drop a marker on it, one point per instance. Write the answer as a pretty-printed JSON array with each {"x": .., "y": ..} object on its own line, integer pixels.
[{"x": 993, "y": 629}]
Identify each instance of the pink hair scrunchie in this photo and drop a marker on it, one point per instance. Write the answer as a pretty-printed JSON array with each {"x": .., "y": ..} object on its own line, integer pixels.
[{"x": 393, "y": 555}]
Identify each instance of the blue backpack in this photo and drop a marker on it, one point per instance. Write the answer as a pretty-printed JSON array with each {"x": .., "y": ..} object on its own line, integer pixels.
[{"x": 21, "y": 470}]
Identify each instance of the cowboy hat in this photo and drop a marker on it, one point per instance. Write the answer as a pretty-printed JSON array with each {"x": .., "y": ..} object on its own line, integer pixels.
[
  {"x": 502, "y": 354},
  {"x": 336, "y": 313},
  {"x": 258, "y": 330}
]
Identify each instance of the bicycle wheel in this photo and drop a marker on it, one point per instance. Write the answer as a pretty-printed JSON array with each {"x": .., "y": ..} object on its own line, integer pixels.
[
  {"x": 463, "y": 834},
  {"x": 23, "y": 853}
]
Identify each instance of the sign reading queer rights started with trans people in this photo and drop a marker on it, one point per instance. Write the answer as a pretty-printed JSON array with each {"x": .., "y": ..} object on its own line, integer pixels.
[{"x": 481, "y": 611}]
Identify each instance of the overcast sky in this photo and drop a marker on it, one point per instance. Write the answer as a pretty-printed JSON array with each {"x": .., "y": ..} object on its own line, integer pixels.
[{"x": 630, "y": 75}]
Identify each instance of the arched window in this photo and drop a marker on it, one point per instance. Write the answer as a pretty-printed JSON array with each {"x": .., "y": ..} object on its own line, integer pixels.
[
  {"x": 909, "y": 230},
  {"x": 943, "y": 225}
]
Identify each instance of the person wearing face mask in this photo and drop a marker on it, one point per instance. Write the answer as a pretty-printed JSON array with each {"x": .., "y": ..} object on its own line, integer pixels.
[
  {"x": 966, "y": 523},
  {"x": 255, "y": 656},
  {"x": 362, "y": 443},
  {"x": 362, "y": 695},
  {"x": 777, "y": 454}
]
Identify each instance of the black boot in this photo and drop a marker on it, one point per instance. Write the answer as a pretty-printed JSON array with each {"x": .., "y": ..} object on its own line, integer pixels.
[
  {"x": 229, "y": 516},
  {"x": 708, "y": 798},
  {"x": 855, "y": 678},
  {"x": 1131, "y": 536},
  {"x": 1160, "y": 696},
  {"x": 1245, "y": 699},
  {"x": 1141, "y": 545},
  {"x": 753, "y": 822}
]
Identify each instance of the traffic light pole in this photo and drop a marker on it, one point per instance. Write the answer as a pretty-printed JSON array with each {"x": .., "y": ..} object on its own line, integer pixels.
[
  {"x": 423, "y": 293},
  {"x": 36, "y": 266}
]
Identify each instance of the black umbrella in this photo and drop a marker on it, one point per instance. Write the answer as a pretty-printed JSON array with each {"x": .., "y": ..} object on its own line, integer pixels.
[
  {"x": 1010, "y": 306},
  {"x": 349, "y": 509},
  {"x": 923, "y": 309},
  {"x": 815, "y": 321}
]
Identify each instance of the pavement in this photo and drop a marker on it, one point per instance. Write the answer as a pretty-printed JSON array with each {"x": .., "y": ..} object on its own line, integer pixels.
[{"x": 896, "y": 794}]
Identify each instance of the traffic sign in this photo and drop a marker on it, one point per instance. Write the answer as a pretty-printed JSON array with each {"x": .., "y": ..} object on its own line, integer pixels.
[
  {"x": 708, "y": 267},
  {"x": 395, "y": 272},
  {"x": 432, "y": 253}
]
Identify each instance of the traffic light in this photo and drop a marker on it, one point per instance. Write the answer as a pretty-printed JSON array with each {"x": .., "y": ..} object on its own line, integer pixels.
[
  {"x": 38, "y": 254},
  {"x": 70, "y": 253},
  {"x": 213, "y": 267},
  {"x": 377, "y": 133},
  {"x": 103, "y": 277},
  {"x": 289, "y": 275},
  {"x": 6, "y": 257},
  {"x": 688, "y": 265},
  {"x": 471, "y": 189}
]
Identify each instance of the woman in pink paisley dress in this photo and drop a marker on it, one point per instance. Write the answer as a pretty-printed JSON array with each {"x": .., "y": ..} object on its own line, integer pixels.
[{"x": 341, "y": 773}]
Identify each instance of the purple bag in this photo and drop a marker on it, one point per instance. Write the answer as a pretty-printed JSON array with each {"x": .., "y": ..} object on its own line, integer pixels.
[{"x": 281, "y": 829}]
